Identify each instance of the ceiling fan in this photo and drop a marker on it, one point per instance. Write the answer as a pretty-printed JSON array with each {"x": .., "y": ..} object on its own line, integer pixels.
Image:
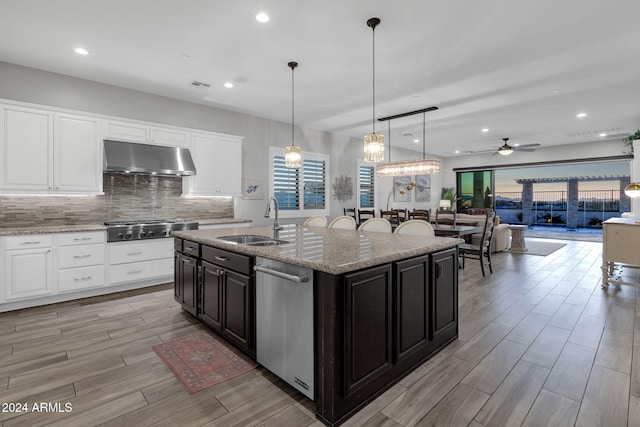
[{"x": 507, "y": 149}]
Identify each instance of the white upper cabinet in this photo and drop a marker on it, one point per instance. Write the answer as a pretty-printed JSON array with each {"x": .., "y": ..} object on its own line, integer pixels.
[
  {"x": 218, "y": 160},
  {"x": 42, "y": 152},
  {"x": 140, "y": 132},
  {"x": 78, "y": 154},
  {"x": 26, "y": 163}
]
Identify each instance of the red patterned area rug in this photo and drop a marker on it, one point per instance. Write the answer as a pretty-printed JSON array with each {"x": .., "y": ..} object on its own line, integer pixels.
[{"x": 200, "y": 360}]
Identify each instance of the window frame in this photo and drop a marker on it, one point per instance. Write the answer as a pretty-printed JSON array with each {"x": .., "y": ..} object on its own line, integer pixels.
[{"x": 301, "y": 211}]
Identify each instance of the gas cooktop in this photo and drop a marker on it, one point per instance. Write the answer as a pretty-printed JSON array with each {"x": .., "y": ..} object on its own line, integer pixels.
[{"x": 139, "y": 229}]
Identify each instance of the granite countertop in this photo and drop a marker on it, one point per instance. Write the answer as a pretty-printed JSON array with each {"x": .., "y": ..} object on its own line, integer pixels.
[
  {"x": 49, "y": 229},
  {"x": 329, "y": 250}
]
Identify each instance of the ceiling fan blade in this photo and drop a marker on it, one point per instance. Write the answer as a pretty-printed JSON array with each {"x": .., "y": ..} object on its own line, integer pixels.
[
  {"x": 479, "y": 151},
  {"x": 528, "y": 145},
  {"x": 523, "y": 149}
]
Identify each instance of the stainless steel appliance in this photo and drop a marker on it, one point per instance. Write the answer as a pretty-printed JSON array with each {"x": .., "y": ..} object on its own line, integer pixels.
[
  {"x": 284, "y": 322},
  {"x": 118, "y": 231}
]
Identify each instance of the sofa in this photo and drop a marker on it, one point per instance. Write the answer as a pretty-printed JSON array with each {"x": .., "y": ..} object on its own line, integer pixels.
[{"x": 501, "y": 237}]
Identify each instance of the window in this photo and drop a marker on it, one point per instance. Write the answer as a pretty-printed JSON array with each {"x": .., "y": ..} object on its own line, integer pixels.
[
  {"x": 300, "y": 192},
  {"x": 366, "y": 186}
]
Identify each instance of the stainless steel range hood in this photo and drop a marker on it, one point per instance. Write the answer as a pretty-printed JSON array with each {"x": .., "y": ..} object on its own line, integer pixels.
[{"x": 129, "y": 157}]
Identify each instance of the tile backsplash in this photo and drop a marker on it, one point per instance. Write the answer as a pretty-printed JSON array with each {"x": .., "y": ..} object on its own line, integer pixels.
[{"x": 125, "y": 197}]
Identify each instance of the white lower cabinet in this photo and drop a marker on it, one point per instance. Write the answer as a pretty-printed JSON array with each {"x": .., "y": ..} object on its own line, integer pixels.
[
  {"x": 81, "y": 259},
  {"x": 132, "y": 261},
  {"x": 28, "y": 271}
]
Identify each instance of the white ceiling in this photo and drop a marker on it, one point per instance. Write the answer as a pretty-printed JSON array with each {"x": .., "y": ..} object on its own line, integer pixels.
[{"x": 523, "y": 69}]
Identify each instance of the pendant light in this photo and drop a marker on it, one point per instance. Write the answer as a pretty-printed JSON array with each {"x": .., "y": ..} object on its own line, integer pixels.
[
  {"x": 292, "y": 153},
  {"x": 424, "y": 166},
  {"x": 632, "y": 190},
  {"x": 374, "y": 142}
]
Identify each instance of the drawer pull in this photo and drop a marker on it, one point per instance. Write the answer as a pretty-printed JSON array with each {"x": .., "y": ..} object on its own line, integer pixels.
[
  {"x": 134, "y": 253},
  {"x": 30, "y": 243},
  {"x": 134, "y": 272},
  {"x": 82, "y": 279},
  {"x": 81, "y": 256},
  {"x": 222, "y": 258},
  {"x": 78, "y": 239},
  {"x": 190, "y": 248}
]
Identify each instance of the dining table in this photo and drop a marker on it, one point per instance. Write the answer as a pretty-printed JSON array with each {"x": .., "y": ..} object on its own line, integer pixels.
[{"x": 445, "y": 230}]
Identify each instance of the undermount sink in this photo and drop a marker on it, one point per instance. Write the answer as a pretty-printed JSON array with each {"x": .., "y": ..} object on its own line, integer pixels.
[{"x": 253, "y": 240}]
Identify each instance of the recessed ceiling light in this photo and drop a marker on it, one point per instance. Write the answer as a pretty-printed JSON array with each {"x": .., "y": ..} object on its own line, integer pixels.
[
  {"x": 262, "y": 17},
  {"x": 581, "y": 115},
  {"x": 416, "y": 140},
  {"x": 81, "y": 51},
  {"x": 228, "y": 85},
  {"x": 457, "y": 152},
  {"x": 485, "y": 130},
  {"x": 516, "y": 145},
  {"x": 556, "y": 91},
  {"x": 602, "y": 135}
]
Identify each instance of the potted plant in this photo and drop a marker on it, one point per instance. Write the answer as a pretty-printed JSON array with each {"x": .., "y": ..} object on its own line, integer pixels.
[
  {"x": 448, "y": 193},
  {"x": 628, "y": 141}
]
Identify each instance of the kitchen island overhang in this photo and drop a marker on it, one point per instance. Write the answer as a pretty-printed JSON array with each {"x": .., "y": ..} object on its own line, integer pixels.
[{"x": 383, "y": 303}]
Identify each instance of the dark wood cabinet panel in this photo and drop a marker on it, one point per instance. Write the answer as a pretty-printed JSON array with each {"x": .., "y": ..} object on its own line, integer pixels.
[
  {"x": 367, "y": 339},
  {"x": 189, "y": 283},
  {"x": 411, "y": 307},
  {"x": 237, "y": 308},
  {"x": 177, "y": 276},
  {"x": 444, "y": 292},
  {"x": 211, "y": 294}
]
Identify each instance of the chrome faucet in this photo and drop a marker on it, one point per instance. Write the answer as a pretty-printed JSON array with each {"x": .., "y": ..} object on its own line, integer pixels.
[{"x": 276, "y": 226}]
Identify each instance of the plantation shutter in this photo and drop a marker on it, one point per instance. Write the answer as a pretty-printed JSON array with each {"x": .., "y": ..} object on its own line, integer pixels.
[
  {"x": 314, "y": 183},
  {"x": 367, "y": 191},
  {"x": 286, "y": 182}
]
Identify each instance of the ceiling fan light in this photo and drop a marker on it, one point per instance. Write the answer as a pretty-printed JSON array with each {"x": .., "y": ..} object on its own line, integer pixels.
[
  {"x": 505, "y": 151},
  {"x": 374, "y": 147},
  {"x": 426, "y": 166},
  {"x": 632, "y": 190}
]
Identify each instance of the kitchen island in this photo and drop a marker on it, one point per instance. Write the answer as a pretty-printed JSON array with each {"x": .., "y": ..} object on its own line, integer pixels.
[{"x": 382, "y": 303}]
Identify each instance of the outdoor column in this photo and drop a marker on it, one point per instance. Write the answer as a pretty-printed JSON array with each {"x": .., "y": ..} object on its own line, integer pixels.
[
  {"x": 572, "y": 204},
  {"x": 625, "y": 201},
  {"x": 527, "y": 202}
]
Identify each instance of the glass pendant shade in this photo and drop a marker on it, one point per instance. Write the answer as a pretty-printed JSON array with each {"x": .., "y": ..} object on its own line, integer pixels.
[
  {"x": 426, "y": 166},
  {"x": 292, "y": 156},
  {"x": 373, "y": 147},
  {"x": 632, "y": 190}
]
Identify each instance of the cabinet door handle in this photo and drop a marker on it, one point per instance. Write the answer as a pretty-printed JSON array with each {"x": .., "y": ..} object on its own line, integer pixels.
[
  {"x": 188, "y": 261},
  {"x": 81, "y": 256},
  {"x": 76, "y": 239},
  {"x": 82, "y": 279},
  {"x": 222, "y": 258},
  {"x": 134, "y": 272},
  {"x": 438, "y": 271},
  {"x": 35, "y": 242},
  {"x": 134, "y": 253}
]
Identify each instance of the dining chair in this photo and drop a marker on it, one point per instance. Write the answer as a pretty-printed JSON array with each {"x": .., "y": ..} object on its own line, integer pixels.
[
  {"x": 402, "y": 214},
  {"x": 416, "y": 227},
  {"x": 423, "y": 214},
  {"x": 446, "y": 216},
  {"x": 316, "y": 221},
  {"x": 350, "y": 212},
  {"x": 391, "y": 216},
  {"x": 376, "y": 224},
  {"x": 365, "y": 214},
  {"x": 345, "y": 222},
  {"x": 483, "y": 249}
]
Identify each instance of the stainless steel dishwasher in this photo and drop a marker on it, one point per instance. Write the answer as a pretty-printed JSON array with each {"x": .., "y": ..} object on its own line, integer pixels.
[{"x": 284, "y": 322}]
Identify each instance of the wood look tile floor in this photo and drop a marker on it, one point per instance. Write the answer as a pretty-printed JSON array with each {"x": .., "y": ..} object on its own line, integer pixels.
[{"x": 540, "y": 344}]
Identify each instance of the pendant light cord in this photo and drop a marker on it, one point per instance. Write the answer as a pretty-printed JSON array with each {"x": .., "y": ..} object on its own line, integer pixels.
[
  {"x": 423, "y": 139},
  {"x": 373, "y": 121},
  {"x": 292, "y": 105},
  {"x": 292, "y": 65}
]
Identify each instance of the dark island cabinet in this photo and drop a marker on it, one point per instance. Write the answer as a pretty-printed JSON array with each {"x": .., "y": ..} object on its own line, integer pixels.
[
  {"x": 218, "y": 288},
  {"x": 444, "y": 281},
  {"x": 367, "y": 328},
  {"x": 411, "y": 307},
  {"x": 375, "y": 325}
]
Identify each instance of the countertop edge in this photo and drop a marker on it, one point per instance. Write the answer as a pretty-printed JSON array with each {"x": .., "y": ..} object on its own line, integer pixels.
[
  {"x": 436, "y": 244},
  {"x": 55, "y": 229}
]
